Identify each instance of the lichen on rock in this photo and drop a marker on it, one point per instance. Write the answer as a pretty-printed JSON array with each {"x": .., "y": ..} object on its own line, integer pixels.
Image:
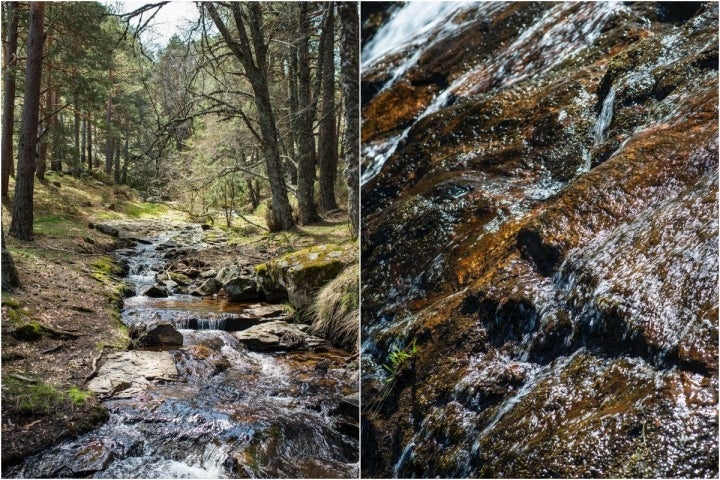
[{"x": 299, "y": 275}]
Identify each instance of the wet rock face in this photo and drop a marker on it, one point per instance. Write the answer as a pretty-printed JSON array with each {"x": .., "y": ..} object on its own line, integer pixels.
[{"x": 540, "y": 218}]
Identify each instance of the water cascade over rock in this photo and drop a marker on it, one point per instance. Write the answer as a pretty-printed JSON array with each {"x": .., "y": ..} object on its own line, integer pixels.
[{"x": 540, "y": 240}]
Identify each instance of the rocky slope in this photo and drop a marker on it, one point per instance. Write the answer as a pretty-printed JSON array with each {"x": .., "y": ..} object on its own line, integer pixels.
[{"x": 541, "y": 240}]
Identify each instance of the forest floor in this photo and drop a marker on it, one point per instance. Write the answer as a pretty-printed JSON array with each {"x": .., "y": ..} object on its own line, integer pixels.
[{"x": 67, "y": 311}]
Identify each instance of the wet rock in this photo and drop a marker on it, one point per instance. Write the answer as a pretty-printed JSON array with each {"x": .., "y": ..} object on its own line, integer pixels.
[
  {"x": 176, "y": 277},
  {"x": 230, "y": 271},
  {"x": 208, "y": 287},
  {"x": 268, "y": 311},
  {"x": 299, "y": 275},
  {"x": 107, "y": 229},
  {"x": 556, "y": 204},
  {"x": 279, "y": 335},
  {"x": 350, "y": 405},
  {"x": 90, "y": 458},
  {"x": 155, "y": 291},
  {"x": 126, "y": 373},
  {"x": 242, "y": 321},
  {"x": 208, "y": 273},
  {"x": 677, "y": 11},
  {"x": 546, "y": 257},
  {"x": 241, "y": 288},
  {"x": 156, "y": 334}
]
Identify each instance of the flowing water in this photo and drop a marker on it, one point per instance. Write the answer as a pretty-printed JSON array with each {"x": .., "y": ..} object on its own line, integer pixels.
[
  {"x": 228, "y": 412},
  {"x": 542, "y": 226}
]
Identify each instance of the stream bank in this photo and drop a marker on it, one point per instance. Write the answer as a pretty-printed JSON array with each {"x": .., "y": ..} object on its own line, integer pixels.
[{"x": 218, "y": 406}]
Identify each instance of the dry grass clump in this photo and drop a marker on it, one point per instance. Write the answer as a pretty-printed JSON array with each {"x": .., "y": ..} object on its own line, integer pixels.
[{"x": 336, "y": 310}]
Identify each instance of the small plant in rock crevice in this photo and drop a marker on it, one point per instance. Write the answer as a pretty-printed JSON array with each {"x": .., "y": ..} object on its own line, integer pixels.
[{"x": 399, "y": 360}]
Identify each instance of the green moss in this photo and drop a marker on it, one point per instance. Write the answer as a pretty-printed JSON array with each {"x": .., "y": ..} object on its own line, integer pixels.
[
  {"x": 142, "y": 209},
  {"x": 106, "y": 265},
  {"x": 10, "y": 302},
  {"x": 29, "y": 332},
  {"x": 17, "y": 315},
  {"x": 30, "y": 398},
  {"x": 180, "y": 278},
  {"x": 77, "y": 396}
]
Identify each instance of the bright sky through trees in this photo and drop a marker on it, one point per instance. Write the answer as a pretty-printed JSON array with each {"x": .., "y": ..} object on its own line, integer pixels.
[{"x": 170, "y": 19}]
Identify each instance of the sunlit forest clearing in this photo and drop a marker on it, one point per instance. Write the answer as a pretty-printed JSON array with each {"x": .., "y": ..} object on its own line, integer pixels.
[{"x": 180, "y": 241}]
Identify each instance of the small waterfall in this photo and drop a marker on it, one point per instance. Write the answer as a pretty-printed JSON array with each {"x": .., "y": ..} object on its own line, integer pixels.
[
  {"x": 412, "y": 27},
  {"x": 605, "y": 117},
  {"x": 375, "y": 154}
]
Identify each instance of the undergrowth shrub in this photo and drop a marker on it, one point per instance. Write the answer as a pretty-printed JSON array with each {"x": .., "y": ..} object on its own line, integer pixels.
[{"x": 335, "y": 312}]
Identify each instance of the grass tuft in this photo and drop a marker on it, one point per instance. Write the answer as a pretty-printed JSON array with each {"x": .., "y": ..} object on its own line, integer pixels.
[{"x": 336, "y": 310}]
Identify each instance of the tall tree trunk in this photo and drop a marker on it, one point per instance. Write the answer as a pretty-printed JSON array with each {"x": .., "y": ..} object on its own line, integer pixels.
[
  {"x": 41, "y": 151},
  {"x": 44, "y": 130},
  {"x": 55, "y": 134},
  {"x": 10, "y": 278},
  {"x": 118, "y": 149},
  {"x": 76, "y": 125},
  {"x": 291, "y": 150},
  {"x": 109, "y": 151},
  {"x": 254, "y": 60},
  {"x": 109, "y": 140},
  {"x": 8, "y": 111},
  {"x": 21, "y": 225},
  {"x": 350, "y": 44},
  {"x": 88, "y": 124},
  {"x": 127, "y": 154},
  {"x": 83, "y": 136},
  {"x": 327, "y": 148},
  {"x": 303, "y": 122},
  {"x": 252, "y": 193}
]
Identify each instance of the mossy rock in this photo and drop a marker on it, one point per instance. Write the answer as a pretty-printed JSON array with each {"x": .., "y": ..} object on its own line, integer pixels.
[
  {"x": 29, "y": 332},
  {"x": 299, "y": 275}
]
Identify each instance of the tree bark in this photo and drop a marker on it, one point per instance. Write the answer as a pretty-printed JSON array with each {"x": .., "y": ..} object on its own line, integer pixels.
[
  {"x": 118, "y": 150},
  {"x": 21, "y": 225},
  {"x": 109, "y": 140},
  {"x": 127, "y": 155},
  {"x": 254, "y": 60},
  {"x": 88, "y": 124},
  {"x": 55, "y": 134},
  {"x": 83, "y": 136},
  {"x": 349, "y": 24},
  {"x": 8, "y": 112},
  {"x": 76, "y": 125},
  {"x": 292, "y": 108},
  {"x": 327, "y": 145},
  {"x": 303, "y": 122},
  {"x": 109, "y": 151}
]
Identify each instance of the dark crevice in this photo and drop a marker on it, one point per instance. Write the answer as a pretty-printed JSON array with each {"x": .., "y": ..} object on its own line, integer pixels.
[{"x": 532, "y": 247}]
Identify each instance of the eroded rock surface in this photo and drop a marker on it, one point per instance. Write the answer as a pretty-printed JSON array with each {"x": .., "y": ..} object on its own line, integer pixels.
[
  {"x": 540, "y": 221},
  {"x": 126, "y": 373}
]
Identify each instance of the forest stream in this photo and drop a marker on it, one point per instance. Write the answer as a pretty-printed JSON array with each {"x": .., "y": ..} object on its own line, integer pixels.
[{"x": 211, "y": 408}]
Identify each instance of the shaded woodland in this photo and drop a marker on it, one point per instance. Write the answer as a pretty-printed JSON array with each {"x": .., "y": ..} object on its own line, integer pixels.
[{"x": 244, "y": 112}]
